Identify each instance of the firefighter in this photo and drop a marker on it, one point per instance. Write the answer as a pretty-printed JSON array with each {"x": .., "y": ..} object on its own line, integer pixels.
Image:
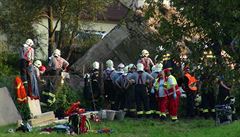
[
  {"x": 190, "y": 87},
  {"x": 162, "y": 95},
  {"x": 21, "y": 92},
  {"x": 123, "y": 85},
  {"x": 108, "y": 83},
  {"x": 57, "y": 64},
  {"x": 130, "y": 93},
  {"x": 223, "y": 92},
  {"x": 92, "y": 91},
  {"x": 118, "y": 102},
  {"x": 140, "y": 78},
  {"x": 156, "y": 69},
  {"x": 146, "y": 61},
  {"x": 173, "y": 93},
  {"x": 208, "y": 96},
  {"x": 26, "y": 61},
  {"x": 35, "y": 79}
]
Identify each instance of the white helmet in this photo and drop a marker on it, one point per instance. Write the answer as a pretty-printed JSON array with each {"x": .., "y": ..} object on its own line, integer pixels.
[
  {"x": 140, "y": 67},
  {"x": 130, "y": 66},
  {"x": 95, "y": 65},
  {"x": 38, "y": 63},
  {"x": 145, "y": 52},
  {"x": 158, "y": 67},
  {"x": 57, "y": 52},
  {"x": 109, "y": 63},
  {"x": 125, "y": 70},
  {"x": 121, "y": 66},
  {"x": 29, "y": 42}
]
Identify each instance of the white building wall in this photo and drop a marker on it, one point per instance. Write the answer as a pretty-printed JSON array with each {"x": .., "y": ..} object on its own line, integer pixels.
[{"x": 42, "y": 30}]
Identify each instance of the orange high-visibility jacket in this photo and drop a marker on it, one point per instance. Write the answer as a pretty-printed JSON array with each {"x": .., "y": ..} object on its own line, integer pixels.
[
  {"x": 192, "y": 81},
  {"x": 20, "y": 91}
]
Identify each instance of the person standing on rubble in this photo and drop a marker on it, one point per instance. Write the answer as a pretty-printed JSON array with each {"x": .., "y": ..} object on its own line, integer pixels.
[
  {"x": 26, "y": 61},
  {"x": 57, "y": 64},
  {"x": 141, "y": 78},
  {"x": 35, "y": 79},
  {"x": 146, "y": 61}
]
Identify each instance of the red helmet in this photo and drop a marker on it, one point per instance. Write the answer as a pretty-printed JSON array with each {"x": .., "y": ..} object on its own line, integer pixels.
[
  {"x": 167, "y": 70},
  {"x": 42, "y": 68}
]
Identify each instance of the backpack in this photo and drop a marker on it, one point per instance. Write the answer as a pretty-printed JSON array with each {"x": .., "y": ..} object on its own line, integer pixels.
[{"x": 79, "y": 123}]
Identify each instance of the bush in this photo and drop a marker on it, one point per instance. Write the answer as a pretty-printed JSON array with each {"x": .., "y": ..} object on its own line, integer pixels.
[{"x": 65, "y": 96}]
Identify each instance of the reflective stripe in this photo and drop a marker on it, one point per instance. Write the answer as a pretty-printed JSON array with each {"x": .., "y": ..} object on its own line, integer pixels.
[
  {"x": 25, "y": 82},
  {"x": 140, "y": 113},
  {"x": 132, "y": 110},
  {"x": 158, "y": 112},
  {"x": 205, "y": 110},
  {"x": 19, "y": 99},
  {"x": 18, "y": 86},
  {"x": 43, "y": 104},
  {"x": 163, "y": 114},
  {"x": 174, "y": 117},
  {"x": 148, "y": 112},
  {"x": 125, "y": 109},
  {"x": 212, "y": 110},
  {"x": 48, "y": 93}
]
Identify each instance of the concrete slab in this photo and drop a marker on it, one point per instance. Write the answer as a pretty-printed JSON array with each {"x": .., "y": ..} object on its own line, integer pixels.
[{"x": 8, "y": 111}]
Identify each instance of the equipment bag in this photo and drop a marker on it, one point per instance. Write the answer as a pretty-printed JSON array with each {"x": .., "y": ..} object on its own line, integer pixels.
[{"x": 79, "y": 123}]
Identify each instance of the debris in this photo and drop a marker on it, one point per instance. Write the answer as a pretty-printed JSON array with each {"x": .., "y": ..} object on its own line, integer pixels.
[
  {"x": 7, "y": 107},
  {"x": 43, "y": 119},
  {"x": 24, "y": 127},
  {"x": 34, "y": 106}
]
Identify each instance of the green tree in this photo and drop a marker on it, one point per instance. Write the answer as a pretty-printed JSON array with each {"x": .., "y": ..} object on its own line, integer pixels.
[{"x": 17, "y": 18}]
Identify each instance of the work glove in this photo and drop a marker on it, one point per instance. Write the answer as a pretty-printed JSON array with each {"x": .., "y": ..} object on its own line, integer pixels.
[
  {"x": 152, "y": 91},
  {"x": 174, "y": 95}
]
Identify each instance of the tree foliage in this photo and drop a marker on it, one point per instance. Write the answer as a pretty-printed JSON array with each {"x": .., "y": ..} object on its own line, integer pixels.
[{"x": 17, "y": 18}]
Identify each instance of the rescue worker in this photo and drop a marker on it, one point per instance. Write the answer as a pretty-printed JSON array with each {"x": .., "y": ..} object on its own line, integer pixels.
[
  {"x": 156, "y": 69},
  {"x": 146, "y": 61},
  {"x": 161, "y": 95},
  {"x": 140, "y": 78},
  {"x": 92, "y": 91},
  {"x": 190, "y": 87},
  {"x": 123, "y": 85},
  {"x": 173, "y": 93},
  {"x": 26, "y": 61},
  {"x": 57, "y": 64},
  {"x": 130, "y": 93},
  {"x": 35, "y": 79},
  {"x": 21, "y": 92},
  {"x": 223, "y": 92},
  {"x": 108, "y": 83},
  {"x": 118, "y": 102},
  {"x": 208, "y": 96}
]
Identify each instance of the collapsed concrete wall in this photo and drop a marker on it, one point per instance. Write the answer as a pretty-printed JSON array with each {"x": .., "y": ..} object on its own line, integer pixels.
[{"x": 9, "y": 113}]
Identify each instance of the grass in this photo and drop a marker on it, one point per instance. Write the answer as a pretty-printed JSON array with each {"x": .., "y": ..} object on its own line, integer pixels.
[{"x": 149, "y": 128}]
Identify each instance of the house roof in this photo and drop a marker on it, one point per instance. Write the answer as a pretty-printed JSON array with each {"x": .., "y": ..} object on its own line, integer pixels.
[{"x": 115, "y": 12}]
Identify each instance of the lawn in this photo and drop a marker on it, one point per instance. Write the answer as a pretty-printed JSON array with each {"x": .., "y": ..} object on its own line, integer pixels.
[{"x": 149, "y": 128}]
